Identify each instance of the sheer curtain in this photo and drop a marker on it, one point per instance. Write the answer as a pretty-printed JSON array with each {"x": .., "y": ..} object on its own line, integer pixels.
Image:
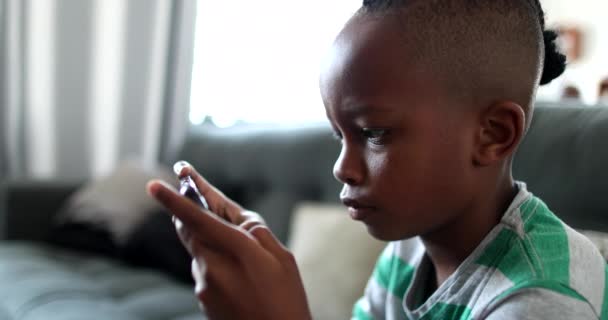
[
  {"x": 86, "y": 83},
  {"x": 258, "y": 61}
]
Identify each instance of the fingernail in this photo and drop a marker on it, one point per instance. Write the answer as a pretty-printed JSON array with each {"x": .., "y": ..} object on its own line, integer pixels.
[{"x": 179, "y": 166}]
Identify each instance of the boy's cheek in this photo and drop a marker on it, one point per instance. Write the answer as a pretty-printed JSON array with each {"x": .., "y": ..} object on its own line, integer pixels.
[{"x": 410, "y": 204}]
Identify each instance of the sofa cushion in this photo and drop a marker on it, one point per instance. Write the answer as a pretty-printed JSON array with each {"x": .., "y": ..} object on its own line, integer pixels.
[
  {"x": 49, "y": 283},
  {"x": 155, "y": 244},
  {"x": 564, "y": 161},
  {"x": 335, "y": 255},
  {"x": 599, "y": 239}
]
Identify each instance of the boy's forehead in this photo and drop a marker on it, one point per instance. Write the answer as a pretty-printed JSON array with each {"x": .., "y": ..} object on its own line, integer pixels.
[
  {"x": 370, "y": 58},
  {"x": 366, "y": 44}
]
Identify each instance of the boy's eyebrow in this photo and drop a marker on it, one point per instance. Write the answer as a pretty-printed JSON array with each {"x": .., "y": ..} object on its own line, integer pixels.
[{"x": 364, "y": 109}]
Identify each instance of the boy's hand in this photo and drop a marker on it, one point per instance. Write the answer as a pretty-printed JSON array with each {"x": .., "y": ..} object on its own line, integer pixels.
[
  {"x": 248, "y": 273},
  {"x": 217, "y": 201}
]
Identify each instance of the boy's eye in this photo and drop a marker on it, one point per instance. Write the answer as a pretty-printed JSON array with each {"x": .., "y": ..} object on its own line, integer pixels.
[{"x": 374, "y": 135}]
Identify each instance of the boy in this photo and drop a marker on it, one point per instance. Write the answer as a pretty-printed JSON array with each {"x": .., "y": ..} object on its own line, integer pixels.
[{"x": 430, "y": 100}]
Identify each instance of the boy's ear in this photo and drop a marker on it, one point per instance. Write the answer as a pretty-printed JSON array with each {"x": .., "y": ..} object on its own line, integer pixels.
[{"x": 501, "y": 128}]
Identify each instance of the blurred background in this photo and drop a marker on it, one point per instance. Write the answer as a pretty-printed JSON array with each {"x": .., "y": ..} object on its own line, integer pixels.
[
  {"x": 97, "y": 97},
  {"x": 87, "y": 83}
]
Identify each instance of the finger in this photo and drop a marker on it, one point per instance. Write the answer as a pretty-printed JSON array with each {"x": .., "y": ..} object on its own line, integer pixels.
[
  {"x": 195, "y": 247},
  {"x": 208, "y": 265},
  {"x": 213, "y": 266},
  {"x": 216, "y": 272},
  {"x": 209, "y": 229},
  {"x": 185, "y": 169},
  {"x": 198, "y": 270},
  {"x": 215, "y": 304},
  {"x": 250, "y": 219},
  {"x": 184, "y": 234},
  {"x": 250, "y": 224},
  {"x": 218, "y": 202},
  {"x": 267, "y": 240}
]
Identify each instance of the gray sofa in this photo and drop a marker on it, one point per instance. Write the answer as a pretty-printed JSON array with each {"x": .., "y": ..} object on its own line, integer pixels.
[{"x": 564, "y": 160}]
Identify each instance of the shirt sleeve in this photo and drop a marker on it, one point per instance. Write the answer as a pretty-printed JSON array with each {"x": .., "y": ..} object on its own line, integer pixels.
[{"x": 539, "y": 303}]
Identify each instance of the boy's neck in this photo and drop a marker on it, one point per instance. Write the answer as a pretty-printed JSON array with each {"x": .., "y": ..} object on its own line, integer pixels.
[{"x": 450, "y": 245}]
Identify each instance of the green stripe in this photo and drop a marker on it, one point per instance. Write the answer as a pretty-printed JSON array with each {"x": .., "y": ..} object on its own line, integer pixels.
[
  {"x": 359, "y": 313},
  {"x": 493, "y": 254},
  {"x": 542, "y": 284},
  {"x": 394, "y": 275},
  {"x": 542, "y": 254},
  {"x": 605, "y": 303},
  {"x": 445, "y": 311},
  {"x": 547, "y": 239},
  {"x": 505, "y": 254}
]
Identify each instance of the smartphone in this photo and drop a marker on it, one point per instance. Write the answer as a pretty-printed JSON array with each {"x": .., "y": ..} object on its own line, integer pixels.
[{"x": 188, "y": 188}]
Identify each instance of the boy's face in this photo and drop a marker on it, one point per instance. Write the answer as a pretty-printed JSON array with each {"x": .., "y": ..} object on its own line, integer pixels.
[{"x": 406, "y": 159}]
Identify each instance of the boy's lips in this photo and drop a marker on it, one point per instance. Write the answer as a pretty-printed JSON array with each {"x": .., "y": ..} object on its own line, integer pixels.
[{"x": 358, "y": 210}]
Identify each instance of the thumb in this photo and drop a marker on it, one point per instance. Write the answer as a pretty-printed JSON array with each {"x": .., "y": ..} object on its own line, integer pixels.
[{"x": 267, "y": 240}]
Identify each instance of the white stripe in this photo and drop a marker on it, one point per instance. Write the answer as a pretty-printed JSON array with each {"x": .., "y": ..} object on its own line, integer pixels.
[
  {"x": 394, "y": 308},
  {"x": 537, "y": 303},
  {"x": 381, "y": 303},
  {"x": 14, "y": 63},
  {"x": 106, "y": 82},
  {"x": 40, "y": 89},
  {"x": 587, "y": 269},
  {"x": 376, "y": 297},
  {"x": 497, "y": 284},
  {"x": 156, "y": 85},
  {"x": 512, "y": 217},
  {"x": 411, "y": 250}
]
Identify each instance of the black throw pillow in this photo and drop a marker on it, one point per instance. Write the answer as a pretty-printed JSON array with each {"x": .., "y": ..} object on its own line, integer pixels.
[
  {"x": 155, "y": 244},
  {"x": 84, "y": 238}
]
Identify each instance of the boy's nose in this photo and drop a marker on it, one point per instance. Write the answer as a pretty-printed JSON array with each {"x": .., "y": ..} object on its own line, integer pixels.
[{"x": 349, "y": 168}]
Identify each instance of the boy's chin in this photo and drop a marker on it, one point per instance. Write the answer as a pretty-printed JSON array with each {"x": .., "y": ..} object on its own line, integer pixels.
[{"x": 389, "y": 234}]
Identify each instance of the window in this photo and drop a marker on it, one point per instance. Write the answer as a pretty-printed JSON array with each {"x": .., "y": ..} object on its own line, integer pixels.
[{"x": 258, "y": 61}]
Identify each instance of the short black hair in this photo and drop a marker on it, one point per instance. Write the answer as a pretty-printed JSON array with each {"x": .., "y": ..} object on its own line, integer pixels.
[
  {"x": 554, "y": 62},
  {"x": 478, "y": 52}
]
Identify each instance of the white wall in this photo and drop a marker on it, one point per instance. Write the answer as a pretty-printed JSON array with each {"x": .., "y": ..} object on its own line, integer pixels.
[{"x": 592, "y": 17}]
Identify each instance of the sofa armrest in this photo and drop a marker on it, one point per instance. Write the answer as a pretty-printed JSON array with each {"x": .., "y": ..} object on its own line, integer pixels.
[{"x": 30, "y": 206}]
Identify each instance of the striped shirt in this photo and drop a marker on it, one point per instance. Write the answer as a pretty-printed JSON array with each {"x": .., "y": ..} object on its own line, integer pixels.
[{"x": 530, "y": 266}]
